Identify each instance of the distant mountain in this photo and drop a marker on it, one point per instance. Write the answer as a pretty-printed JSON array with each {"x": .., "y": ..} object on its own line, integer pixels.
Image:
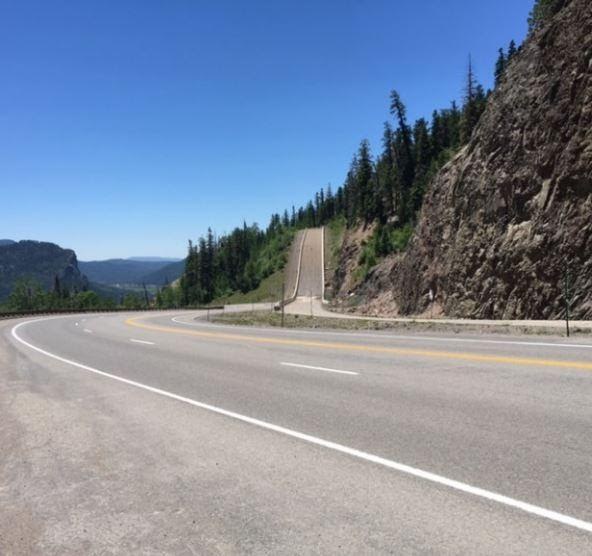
[
  {"x": 6, "y": 242},
  {"x": 123, "y": 271},
  {"x": 155, "y": 259},
  {"x": 167, "y": 274},
  {"x": 39, "y": 261}
]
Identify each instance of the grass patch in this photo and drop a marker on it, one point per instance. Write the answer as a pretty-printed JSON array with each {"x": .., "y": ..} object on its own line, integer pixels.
[
  {"x": 335, "y": 231},
  {"x": 269, "y": 289},
  {"x": 274, "y": 320},
  {"x": 334, "y": 234}
]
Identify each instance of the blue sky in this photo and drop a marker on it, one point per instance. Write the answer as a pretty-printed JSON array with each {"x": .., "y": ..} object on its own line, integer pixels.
[{"x": 127, "y": 127}]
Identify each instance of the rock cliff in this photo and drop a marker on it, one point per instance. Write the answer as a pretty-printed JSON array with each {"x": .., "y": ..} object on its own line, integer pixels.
[
  {"x": 513, "y": 209},
  {"x": 41, "y": 262}
]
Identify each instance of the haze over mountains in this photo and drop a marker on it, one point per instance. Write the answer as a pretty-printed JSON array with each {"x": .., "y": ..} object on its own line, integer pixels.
[
  {"x": 135, "y": 270},
  {"x": 42, "y": 262}
]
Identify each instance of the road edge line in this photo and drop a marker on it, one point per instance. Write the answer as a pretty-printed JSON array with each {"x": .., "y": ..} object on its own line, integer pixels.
[{"x": 400, "y": 467}]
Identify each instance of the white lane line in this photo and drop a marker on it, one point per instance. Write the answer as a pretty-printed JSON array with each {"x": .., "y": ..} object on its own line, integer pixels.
[
  {"x": 88, "y": 331},
  {"x": 299, "y": 266},
  {"x": 400, "y": 467},
  {"x": 142, "y": 342},
  {"x": 298, "y": 366},
  {"x": 390, "y": 336}
]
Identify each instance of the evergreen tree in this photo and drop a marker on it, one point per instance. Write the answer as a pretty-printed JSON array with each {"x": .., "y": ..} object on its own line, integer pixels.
[
  {"x": 474, "y": 104},
  {"x": 349, "y": 190},
  {"x": 364, "y": 197},
  {"x": 404, "y": 156},
  {"x": 386, "y": 175},
  {"x": 512, "y": 50},
  {"x": 542, "y": 11},
  {"x": 57, "y": 287},
  {"x": 500, "y": 66},
  {"x": 454, "y": 124},
  {"x": 423, "y": 160}
]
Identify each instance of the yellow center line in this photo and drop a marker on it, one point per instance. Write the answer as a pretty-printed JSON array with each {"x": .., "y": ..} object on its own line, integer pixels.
[{"x": 459, "y": 356}]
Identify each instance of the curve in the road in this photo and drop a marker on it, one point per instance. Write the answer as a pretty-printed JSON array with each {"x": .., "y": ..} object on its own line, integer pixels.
[{"x": 402, "y": 468}]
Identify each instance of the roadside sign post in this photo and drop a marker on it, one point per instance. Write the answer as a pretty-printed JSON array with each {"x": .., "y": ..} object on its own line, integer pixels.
[
  {"x": 431, "y": 296},
  {"x": 566, "y": 295},
  {"x": 283, "y": 301}
]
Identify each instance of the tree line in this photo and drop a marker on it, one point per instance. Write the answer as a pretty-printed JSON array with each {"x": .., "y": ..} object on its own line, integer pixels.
[{"x": 28, "y": 294}]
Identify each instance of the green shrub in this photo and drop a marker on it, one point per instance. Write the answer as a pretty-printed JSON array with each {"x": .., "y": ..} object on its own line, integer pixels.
[{"x": 400, "y": 238}]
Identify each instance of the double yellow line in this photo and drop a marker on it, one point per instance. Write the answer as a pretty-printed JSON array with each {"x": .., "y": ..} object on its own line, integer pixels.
[{"x": 450, "y": 355}]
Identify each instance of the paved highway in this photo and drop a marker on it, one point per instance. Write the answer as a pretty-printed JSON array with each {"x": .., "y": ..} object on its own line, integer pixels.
[
  {"x": 310, "y": 282},
  {"x": 158, "y": 433}
]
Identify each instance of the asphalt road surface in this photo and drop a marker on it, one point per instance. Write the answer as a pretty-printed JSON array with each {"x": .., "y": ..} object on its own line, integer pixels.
[
  {"x": 310, "y": 283},
  {"x": 155, "y": 433}
]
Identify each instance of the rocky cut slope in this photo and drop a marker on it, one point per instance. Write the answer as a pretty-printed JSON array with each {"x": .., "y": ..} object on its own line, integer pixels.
[{"x": 503, "y": 219}]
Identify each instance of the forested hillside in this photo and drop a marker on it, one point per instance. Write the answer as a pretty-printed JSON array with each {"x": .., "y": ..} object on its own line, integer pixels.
[
  {"x": 42, "y": 276},
  {"x": 126, "y": 271},
  {"x": 45, "y": 263}
]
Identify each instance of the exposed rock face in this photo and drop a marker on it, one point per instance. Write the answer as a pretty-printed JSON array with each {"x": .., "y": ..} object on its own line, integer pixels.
[
  {"x": 502, "y": 218},
  {"x": 41, "y": 262}
]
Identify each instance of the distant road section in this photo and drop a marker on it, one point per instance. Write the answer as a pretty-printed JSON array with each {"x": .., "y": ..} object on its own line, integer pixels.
[
  {"x": 311, "y": 265},
  {"x": 293, "y": 265}
]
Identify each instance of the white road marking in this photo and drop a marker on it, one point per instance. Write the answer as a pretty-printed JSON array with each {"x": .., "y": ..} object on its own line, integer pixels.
[
  {"x": 76, "y": 324},
  {"x": 88, "y": 331},
  {"x": 299, "y": 265},
  {"x": 318, "y": 368},
  {"x": 365, "y": 456},
  {"x": 390, "y": 336},
  {"x": 142, "y": 342}
]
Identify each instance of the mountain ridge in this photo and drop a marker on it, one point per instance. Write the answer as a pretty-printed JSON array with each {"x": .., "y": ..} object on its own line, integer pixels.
[{"x": 40, "y": 261}]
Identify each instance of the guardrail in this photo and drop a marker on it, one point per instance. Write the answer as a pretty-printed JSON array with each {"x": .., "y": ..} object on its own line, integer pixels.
[
  {"x": 281, "y": 304},
  {"x": 20, "y": 314}
]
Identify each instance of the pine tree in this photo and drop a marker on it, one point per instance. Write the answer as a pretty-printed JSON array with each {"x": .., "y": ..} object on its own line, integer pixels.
[
  {"x": 500, "y": 66},
  {"x": 285, "y": 219},
  {"x": 386, "y": 174},
  {"x": 423, "y": 160},
  {"x": 453, "y": 125},
  {"x": 57, "y": 287},
  {"x": 474, "y": 104},
  {"x": 329, "y": 204},
  {"x": 542, "y": 11},
  {"x": 404, "y": 156},
  {"x": 350, "y": 192},
  {"x": 364, "y": 199},
  {"x": 512, "y": 50}
]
